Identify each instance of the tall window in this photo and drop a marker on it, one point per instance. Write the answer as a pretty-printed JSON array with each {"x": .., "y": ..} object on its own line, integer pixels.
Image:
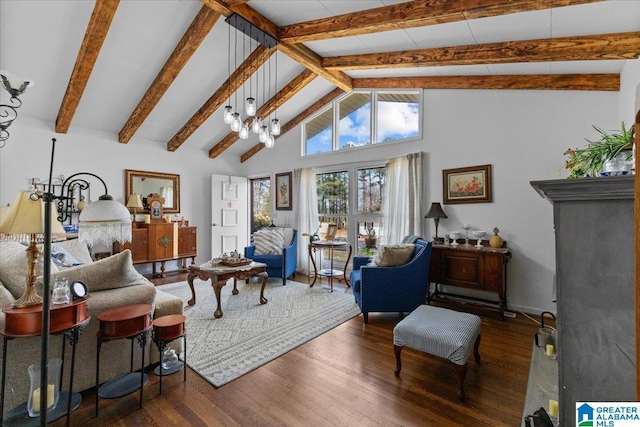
[
  {"x": 362, "y": 118},
  {"x": 352, "y": 200},
  {"x": 260, "y": 203}
]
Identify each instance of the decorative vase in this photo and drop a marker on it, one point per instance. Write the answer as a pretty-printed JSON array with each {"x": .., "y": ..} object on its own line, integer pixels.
[
  {"x": 53, "y": 386},
  {"x": 169, "y": 359},
  {"x": 370, "y": 243},
  {"x": 496, "y": 241}
]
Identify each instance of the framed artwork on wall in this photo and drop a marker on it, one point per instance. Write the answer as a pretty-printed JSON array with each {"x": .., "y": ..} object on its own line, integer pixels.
[
  {"x": 467, "y": 185},
  {"x": 283, "y": 192}
]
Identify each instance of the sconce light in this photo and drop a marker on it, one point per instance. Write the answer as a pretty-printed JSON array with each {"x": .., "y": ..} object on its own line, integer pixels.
[
  {"x": 15, "y": 86},
  {"x": 436, "y": 213}
]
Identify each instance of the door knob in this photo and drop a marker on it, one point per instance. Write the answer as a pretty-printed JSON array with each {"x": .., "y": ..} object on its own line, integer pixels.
[{"x": 214, "y": 224}]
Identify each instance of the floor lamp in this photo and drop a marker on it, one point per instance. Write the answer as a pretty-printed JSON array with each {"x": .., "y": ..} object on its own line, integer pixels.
[{"x": 104, "y": 221}]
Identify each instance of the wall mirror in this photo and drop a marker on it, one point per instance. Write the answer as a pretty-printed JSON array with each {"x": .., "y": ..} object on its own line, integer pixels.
[{"x": 167, "y": 185}]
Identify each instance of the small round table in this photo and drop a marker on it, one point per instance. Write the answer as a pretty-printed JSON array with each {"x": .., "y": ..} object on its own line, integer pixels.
[
  {"x": 165, "y": 330},
  {"x": 330, "y": 272},
  {"x": 131, "y": 322}
]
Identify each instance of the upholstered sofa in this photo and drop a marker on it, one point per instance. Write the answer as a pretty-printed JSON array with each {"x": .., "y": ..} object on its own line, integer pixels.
[
  {"x": 392, "y": 286},
  {"x": 111, "y": 282},
  {"x": 278, "y": 248}
]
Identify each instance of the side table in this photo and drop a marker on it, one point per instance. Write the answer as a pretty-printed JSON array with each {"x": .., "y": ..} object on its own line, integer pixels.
[
  {"x": 131, "y": 322},
  {"x": 330, "y": 245},
  {"x": 167, "y": 329},
  {"x": 66, "y": 319}
]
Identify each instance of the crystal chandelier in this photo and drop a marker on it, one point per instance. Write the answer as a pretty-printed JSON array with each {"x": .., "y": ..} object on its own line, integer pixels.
[{"x": 242, "y": 118}]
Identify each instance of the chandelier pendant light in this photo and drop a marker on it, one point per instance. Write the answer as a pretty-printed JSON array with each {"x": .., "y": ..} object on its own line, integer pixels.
[{"x": 264, "y": 127}]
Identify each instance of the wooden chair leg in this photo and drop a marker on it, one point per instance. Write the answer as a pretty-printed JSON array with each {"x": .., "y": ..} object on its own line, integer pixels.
[
  {"x": 397, "y": 349},
  {"x": 462, "y": 373},
  {"x": 366, "y": 317},
  {"x": 476, "y": 350}
]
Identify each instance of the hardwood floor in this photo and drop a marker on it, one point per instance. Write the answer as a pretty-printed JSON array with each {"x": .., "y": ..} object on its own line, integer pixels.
[{"x": 342, "y": 378}]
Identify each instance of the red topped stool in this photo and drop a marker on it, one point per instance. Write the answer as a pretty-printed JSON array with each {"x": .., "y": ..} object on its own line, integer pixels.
[
  {"x": 165, "y": 330},
  {"x": 131, "y": 322}
]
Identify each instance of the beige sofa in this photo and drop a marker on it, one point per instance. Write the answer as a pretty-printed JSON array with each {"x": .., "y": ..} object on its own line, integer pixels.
[{"x": 112, "y": 282}]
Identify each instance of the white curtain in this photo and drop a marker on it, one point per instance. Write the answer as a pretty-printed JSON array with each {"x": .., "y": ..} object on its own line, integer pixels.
[
  {"x": 306, "y": 213},
  {"x": 415, "y": 184},
  {"x": 401, "y": 207}
]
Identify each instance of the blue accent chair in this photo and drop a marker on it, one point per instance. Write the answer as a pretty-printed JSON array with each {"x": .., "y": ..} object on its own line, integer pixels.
[
  {"x": 392, "y": 289},
  {"x": 282, "y": 265}
]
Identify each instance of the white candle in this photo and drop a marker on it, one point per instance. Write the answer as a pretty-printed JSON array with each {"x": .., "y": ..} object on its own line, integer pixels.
[
  {"x": 553, "y": 408},
  {"x": 35, "y": 399},
  {"x": 550, "y": 350}
]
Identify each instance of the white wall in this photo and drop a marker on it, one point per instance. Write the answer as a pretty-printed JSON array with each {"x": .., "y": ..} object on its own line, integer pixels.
[
  {"x": 522, "y": 134},
  {"x": 630, "y": 92},
  {"x": 28, "y": 151}
]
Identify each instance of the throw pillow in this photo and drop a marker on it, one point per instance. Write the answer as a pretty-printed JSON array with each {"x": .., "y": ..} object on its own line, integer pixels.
[
  {"x": 61, "y": 257},
  {"x": 268, "y": 242},
  {"x": 287, "y": 235},
  {"x": 394, "y": 255},
  {"x": 112, "y": 272},
  {"x": 77, "y": 249}
]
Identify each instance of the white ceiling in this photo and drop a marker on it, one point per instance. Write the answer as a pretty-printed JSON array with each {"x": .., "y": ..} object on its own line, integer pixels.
[{"x": 40, "y": 39}]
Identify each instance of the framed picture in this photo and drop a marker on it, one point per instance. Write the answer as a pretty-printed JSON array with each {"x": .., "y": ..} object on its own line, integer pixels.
[
  {"x": 331, "y": 232},
  {"x": 283, "y": 191},
  {"x": 467, "y": 185}
]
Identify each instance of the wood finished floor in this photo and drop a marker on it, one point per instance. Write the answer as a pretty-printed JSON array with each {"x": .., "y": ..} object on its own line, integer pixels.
[{"x": 342, "y": 378}]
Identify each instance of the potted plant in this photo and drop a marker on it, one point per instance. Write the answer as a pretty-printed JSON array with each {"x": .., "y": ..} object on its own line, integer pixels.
[
  {"x": 609, "y": 155},
  {"x": 370, "y": 238}
]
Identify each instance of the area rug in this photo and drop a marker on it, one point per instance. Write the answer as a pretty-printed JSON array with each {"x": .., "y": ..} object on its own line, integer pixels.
[{"x": 249, "y": 334}]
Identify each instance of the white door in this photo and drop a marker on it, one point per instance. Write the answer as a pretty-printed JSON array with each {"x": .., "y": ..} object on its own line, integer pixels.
[{"x": 229, "y": 214}]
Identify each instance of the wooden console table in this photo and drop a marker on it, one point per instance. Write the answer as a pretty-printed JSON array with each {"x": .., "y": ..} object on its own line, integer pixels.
[
  {"x": 161, "y": 242},
  {"x": 469, "y": 267},
  {"x": 67, "y": 319}
]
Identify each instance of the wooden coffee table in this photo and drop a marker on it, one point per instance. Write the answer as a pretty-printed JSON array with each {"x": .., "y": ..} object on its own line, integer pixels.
[{"x": 219, "y": 276}]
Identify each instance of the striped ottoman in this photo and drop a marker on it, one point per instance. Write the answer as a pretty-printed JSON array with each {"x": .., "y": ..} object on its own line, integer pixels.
[{"x": 441, "y": 332}]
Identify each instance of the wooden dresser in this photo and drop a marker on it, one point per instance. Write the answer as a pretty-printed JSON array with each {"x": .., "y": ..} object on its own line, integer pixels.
[
  {"x": 161, "y": 242},
  {"x": 466, "y": 266}
]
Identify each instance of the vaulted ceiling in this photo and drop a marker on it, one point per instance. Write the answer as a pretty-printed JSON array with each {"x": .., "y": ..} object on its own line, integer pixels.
[{"x": 160, "y": 70}]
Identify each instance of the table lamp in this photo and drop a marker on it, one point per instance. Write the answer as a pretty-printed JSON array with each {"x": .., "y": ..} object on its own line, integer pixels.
[
  {"x": 436, "y": 213},
  {"x": 26, "y": 218},
  {"x": 135, "y": 203}
]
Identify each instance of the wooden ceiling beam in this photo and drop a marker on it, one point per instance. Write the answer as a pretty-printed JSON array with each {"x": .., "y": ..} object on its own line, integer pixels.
[
  {"x": 294, "y": 86},
  {"x": 579, "y": 48},
  {"x": 298, "y": 52},
  {"x": 322, "y": 102},
  {"x": 233, "y": 83},
  {"x": 602, "y": 82},
  {"x": 182, "y": 53},
  {"x": 94, "y": 36},
  {"x": 409, "y": 15}
]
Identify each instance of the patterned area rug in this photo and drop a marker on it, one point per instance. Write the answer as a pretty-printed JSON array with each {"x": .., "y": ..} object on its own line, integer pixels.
[{"x": 249, "y": 334}]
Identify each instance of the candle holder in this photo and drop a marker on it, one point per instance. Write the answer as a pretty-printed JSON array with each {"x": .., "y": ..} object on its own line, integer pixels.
[{"x": 52, "y": 394}]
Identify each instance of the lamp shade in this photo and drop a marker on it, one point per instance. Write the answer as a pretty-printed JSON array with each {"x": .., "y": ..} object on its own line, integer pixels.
[
  {"x": 104, "y": 221},
  {"x": 26, "y": 216},
  {"x": 435, "y": 211},
  {"x": 14, "y": 84},
  {"x": 135, "y": 201}
]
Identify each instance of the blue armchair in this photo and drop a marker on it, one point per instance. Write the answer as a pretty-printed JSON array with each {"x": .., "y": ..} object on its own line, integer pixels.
[
  {"x": 281, "y": 265},
  {"x": 392, "y": 289}
]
